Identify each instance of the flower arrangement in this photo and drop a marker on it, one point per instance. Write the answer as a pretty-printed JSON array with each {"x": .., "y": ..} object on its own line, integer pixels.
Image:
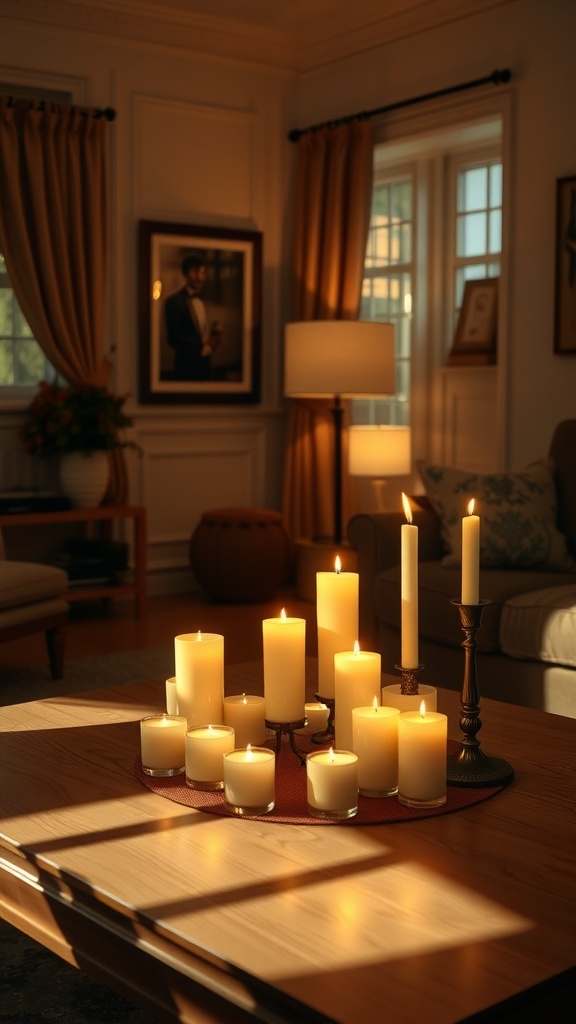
[{"x": 74, "y": 418}]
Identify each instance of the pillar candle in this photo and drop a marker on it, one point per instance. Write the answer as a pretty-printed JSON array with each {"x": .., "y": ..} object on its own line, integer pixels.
[
  {"x": 337, "y": 621},
  {"x": 375, "y": 740},
  {"x": 357, "y": 680},
  {"x": 422, "y": 753},
  {"x": 171, "y": 696},
  {"x": 205, "y": 749},
  {"x": 246, "y": 714},
  {"x": 249, "y": 777},
  {"x": 284, "y": 649},
  {"x": 392, "y": 697},
  {"x": 162, "y": 744},
  {"x": 409, "y": 589},
  {"x": 332, "y": 783},
  {"x": 470, "y": 556},
  {"x": 199, "y": 660}
]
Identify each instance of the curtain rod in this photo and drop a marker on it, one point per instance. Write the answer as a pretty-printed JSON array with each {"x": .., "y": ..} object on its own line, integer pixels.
[
  {"x": 496, "y": 78},
  {"x": 107, "y": 112}
]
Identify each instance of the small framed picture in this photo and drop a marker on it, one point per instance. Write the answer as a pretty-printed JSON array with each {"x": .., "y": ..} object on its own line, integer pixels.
[
  {"x": 199, "y": 314},
  {"x": 475, "y": 339},
  {"x": 565, "y": 284}
]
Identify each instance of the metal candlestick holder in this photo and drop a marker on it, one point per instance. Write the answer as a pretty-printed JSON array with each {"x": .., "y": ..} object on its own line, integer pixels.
[
  {"x": 327, "y": 736},
  {"x": 409, "y": 684},
  {"x": 470, "y": 766},
  {"x": 279, "y": 728}
]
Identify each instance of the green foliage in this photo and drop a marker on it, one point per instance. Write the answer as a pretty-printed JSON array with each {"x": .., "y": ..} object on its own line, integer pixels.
[{"x": 80, "y": 418}]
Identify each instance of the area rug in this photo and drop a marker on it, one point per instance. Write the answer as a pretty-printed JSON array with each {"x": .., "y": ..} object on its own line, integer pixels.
[
  {"x": 23, "y": 684},
  {"x": 37, "y": 987}
]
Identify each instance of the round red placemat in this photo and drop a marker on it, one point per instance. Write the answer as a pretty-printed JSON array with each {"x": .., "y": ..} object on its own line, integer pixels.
[{"x": 291, "y": 807}]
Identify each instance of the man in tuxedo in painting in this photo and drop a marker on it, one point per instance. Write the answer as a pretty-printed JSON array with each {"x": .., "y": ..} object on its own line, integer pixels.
[{"x": 187, "y": 329}]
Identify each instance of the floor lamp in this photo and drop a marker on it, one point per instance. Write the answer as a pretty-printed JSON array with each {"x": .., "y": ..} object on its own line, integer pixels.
[
  {"x": 379, "y": 452},
  {"x": 338, "y": 359}
]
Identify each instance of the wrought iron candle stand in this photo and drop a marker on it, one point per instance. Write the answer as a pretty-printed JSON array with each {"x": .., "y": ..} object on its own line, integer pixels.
[
  {"x": 279, "y": 728},
  {"x": 327, "y": 736},
  {"x": 470, "y": 766}
]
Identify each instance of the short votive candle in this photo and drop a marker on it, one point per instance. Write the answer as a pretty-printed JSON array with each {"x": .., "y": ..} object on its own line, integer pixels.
[
  {"x": 245, "y": 712},
  {"x": 162, "y": 743},
  {"x": 316, "y": 715},
  {"x": 205, "y": 749},
  {"x": 249, "y": 780},
  {"x": 332, "y": 783}
]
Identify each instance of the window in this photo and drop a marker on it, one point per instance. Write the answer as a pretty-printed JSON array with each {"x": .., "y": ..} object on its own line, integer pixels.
[
  {"x": 436, "y": 223},
  {"x": 22, "y": 362}
]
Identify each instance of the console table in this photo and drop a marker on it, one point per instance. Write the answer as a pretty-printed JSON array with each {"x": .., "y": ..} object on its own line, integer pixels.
[
  {"x": 104, "y": 514},
  {"x": 206, "y": 918}
]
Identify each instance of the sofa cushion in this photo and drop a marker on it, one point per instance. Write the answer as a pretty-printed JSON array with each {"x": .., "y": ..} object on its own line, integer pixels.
[
  {"x": 24, "y": 583},
  {"x": 518, "y": 515},
  {"x": 541, "y": 625},
  {"x": 439, "y": 585}
]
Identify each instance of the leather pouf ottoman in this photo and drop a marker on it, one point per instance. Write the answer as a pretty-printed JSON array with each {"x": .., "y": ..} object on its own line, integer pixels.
[{"x": 241, "y": 555}]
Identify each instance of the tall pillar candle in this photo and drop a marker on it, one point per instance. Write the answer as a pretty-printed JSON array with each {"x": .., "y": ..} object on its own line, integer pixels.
[
  {"x": 357, "y": 680},
  {"x": 284, "y": 651},
  {"x": 199, "y": 664},
  {"x": 246, "y": 714},
  {"x": 409, "y": 589},
  {"x": 422, "y": 758},
  {"x": 337, "y": 621},
  {"x": 471, "y": 557},
  {"x": 375, "y": 740}
]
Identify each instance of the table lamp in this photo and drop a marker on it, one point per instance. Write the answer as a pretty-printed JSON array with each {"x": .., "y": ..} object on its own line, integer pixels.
[
  {"x": 378, "y": 452},
  {"x": 338, "y": 359}
]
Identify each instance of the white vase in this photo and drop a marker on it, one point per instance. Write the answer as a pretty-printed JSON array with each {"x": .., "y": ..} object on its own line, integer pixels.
[{"x": 84, "y": 477}]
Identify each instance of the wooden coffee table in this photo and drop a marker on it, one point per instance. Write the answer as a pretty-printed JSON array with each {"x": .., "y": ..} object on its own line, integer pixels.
[{"x": 206, "y": 918}]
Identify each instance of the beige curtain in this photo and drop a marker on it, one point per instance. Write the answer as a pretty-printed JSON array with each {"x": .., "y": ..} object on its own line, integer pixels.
[
  {"x": 53, "y": 235},
  {"x": 333, "y": 201}
]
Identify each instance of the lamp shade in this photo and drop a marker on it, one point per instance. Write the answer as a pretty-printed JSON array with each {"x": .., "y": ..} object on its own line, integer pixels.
[
  {"x": 379, "y": 451},
  {"x": 349, "y": 358}
]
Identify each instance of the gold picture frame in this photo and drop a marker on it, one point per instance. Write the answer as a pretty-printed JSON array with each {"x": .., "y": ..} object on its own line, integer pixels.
[{"x": 476, "y": 331}]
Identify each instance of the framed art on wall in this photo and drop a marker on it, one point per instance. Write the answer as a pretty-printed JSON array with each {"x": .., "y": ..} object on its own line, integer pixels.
[
  {"x": 475, "y": 338},
  {"x": 565, "y": 298},
  {"x": 199, "y": 314}
]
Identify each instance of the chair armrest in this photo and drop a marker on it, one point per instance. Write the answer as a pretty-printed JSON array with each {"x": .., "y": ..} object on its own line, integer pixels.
[{"x": 377, "y": 538}]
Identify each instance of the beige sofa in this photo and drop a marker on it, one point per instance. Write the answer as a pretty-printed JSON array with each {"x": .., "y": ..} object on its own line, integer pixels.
[
  {"x": 527, "y": 643},
  {"x": 31, "y": 601}
]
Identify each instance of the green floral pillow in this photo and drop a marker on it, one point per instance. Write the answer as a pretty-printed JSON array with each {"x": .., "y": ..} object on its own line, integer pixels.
[{"x": 517, "y": 515}]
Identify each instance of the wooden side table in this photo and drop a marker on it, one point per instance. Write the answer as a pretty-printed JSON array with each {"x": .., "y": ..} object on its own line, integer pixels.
[{"x": 105, "y": 514}]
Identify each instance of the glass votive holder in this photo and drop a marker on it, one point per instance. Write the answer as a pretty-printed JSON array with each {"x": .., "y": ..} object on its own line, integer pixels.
[
  {"x": 375, "y": 740},
  {"x": 245, "y": 712},
  {"x": 249, "y": 780},
  {"x": 205, "y": 749},
  {"x": 332, "y": 783},
  {"x": 422, "y": 758},
  {"x": 162, "y": 744}
]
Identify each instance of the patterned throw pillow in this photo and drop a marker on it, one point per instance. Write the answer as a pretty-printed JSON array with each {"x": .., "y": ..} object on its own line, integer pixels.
[{"x": 517, "y": 515}]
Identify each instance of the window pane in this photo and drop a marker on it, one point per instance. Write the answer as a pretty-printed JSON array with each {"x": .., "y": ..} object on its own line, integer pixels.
[
  {"x": 495, "y": 231},
  {"x": 472, "y": 234},
  {"x": 5, "y": 312},
  {"x": 473, "y": 189},
  {"x": 21, "y": 328},
  {"x": 496, "y": 185},
  {"x": 6, "y": 363},
  {"x": 30, "y": 364},
  {"x": 401, "y": 200}
]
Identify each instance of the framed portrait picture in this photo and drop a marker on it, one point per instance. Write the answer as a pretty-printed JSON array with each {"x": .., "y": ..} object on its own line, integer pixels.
[
  {"x": 565, "y": 284},
  {"x": 200, "y": 314},
  {"x": 475, "y": 338}
]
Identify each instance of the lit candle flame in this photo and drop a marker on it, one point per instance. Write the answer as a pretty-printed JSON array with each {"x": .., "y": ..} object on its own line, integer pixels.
[
  {"x": 199, "y": 637},
  {"x": 249, "y": 754},
  {"x": 375, "y": 703},
  {"x": 337, "y": 564},
  {"x": 283, "y": 615},
  {"x": 331, "y": 754},
  {"x": 356, "y": 647},
  {"x": 471, "y": 506},
  {"x": 244, "y": 701},
  {"x": 407, "y": 509},
  {"x": 423, "y": 708}
]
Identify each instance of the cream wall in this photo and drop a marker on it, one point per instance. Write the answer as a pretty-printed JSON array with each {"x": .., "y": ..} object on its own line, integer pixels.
[{"x": 202, "y": 139}]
